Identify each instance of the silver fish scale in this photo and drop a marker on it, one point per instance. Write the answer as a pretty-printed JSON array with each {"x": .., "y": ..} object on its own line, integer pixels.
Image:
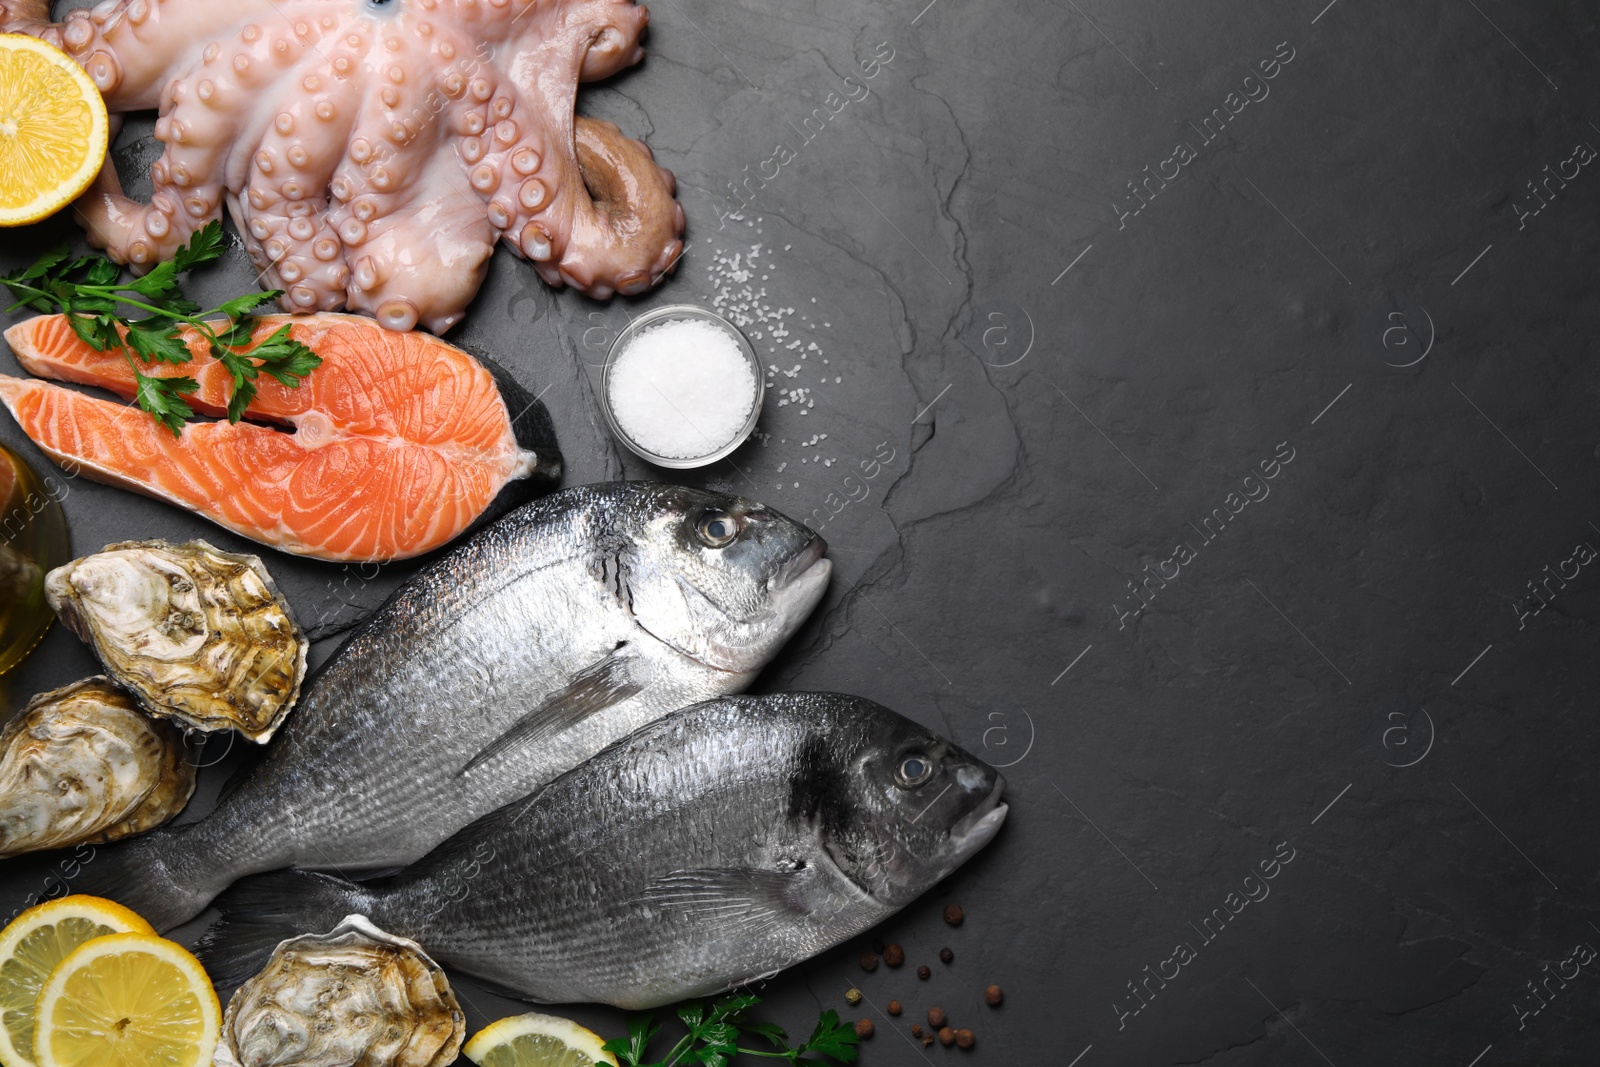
[
  {"x": 371, "y": 769},
  {"x": 545, "y": 897}
]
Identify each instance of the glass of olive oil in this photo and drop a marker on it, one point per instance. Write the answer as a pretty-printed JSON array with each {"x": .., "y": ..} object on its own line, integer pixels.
[{"x": 33, "y": 542}]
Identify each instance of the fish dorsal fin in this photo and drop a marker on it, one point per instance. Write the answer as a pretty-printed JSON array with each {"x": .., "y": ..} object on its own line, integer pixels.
[
  {"x": 745, "y": 899},
  {"x": 591, "y": 691}
]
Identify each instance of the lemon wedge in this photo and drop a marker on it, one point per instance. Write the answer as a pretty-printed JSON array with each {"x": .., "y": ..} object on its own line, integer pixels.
[
  {"x": 127, "y": 999},
  {"x": 54, "y": 131},
  {"x": 30, "y": 948},
  {"x": 535, "y": 1040}
]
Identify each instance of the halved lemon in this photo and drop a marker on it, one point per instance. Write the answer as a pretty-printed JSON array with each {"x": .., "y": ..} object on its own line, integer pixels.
[
  {"x": 127, "y": 999},
  {"x": 53, "y": 130},
  {"x": 30, "y": 948},
  {"x": 535, "y": 1040}
]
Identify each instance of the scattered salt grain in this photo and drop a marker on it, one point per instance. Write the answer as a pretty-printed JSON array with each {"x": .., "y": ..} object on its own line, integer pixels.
[{"x": 682, "y": 389}]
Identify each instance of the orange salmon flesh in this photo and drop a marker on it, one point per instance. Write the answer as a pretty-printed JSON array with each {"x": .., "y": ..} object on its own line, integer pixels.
[{"x": 390, "y": 449}]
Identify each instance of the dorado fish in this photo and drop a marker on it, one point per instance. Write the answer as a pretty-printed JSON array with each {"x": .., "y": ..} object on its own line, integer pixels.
[
  {"x": 556, "y": 631},
  {"x": 724, "y": 842}
]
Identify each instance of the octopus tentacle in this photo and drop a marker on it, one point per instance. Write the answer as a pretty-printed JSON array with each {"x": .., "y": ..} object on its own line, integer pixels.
[
  {"x": 285, "y": 214},
  {"x": 424, "y": 265},
  {"x": 628, "y": 239},
  {"x": 373, "y": 155}
]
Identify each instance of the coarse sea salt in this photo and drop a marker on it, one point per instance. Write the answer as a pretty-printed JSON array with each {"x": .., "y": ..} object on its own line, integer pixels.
[{"x": 682, "y": 389}]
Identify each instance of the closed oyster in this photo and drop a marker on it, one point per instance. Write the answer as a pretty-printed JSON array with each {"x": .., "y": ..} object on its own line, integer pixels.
[
  {"x": 195, "y": 633},
  {"x": 83, "y": 765},
  {"x": 353, "y": 997}
]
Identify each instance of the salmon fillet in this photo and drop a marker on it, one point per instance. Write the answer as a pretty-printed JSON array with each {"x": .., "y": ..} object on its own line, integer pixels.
[{"x": 391, "y": 448}]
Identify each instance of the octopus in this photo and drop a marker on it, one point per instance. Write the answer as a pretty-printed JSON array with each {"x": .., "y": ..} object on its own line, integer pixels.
[{"x": 372, "y": 153}]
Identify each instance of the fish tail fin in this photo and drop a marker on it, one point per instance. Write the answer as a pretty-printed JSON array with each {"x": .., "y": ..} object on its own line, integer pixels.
[
  {"x": 151, "y": 875},
  {"x": 260, "y": 911}
]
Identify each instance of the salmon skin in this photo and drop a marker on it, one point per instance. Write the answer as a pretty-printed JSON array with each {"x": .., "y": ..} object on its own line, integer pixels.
[{"x": 391, "y": 448}]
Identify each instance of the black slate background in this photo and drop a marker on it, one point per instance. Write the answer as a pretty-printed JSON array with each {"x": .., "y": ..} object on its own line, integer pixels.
[{"x": 1341, "y": 675}]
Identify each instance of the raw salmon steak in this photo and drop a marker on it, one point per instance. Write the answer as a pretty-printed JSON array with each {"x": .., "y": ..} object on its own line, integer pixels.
[{"x": 391, "y": 448}]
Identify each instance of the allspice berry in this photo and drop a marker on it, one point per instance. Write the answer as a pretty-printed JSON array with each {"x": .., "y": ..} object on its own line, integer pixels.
[
  {"x": 936, "y": 1017},
  {"x": 894, "y": 1007},
  {"x": 864, "y": 1028},
  {"x": 852, "y": 997},
  {"x": 924, "y": 973},
  {"x": 869, "y": 961},
  {"x": 964, "y": 1038},
  {"x": 947, "y": 1036},
  {"x": 946, "y": 956},
  {"x": 993, "y": 996},
  {"x": 953, "y": 914},
  {"x": 894, "y": 955}
]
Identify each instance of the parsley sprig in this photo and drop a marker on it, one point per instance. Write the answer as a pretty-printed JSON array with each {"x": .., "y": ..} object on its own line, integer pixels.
[
  {"x": 87, "y": 290},
  {"x": 715, "y": 1030}
]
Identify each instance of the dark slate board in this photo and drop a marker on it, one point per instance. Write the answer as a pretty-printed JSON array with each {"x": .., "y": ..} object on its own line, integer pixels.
[{"x": 1333, "y": 668}]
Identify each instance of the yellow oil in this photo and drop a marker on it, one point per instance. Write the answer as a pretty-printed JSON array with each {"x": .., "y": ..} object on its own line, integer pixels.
[{"x": 33, "y": 542}]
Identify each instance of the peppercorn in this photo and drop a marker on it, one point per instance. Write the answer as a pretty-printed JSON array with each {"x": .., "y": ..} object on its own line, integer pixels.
[
  {"x": 927, "y": 1041},
  {"x": 852, "y": 997},
  {"x": 916, "y": 1031},
  {"x": 993, "y": 996},
  {"x": 964, "y": 1038},
  {"x": 869, "y": 961},
  {"x": 894, "y": 955},
  {"x": 953, "y": 914},
  {"x": 863, "y": 1028},
  {"x": 936, "y": 1017},
  {"x": 946, "y": 956},
  {"x": 947, "y": 1036},
  {"x": 924, "y": 972},
  {"x": 894, "y": 1007}
]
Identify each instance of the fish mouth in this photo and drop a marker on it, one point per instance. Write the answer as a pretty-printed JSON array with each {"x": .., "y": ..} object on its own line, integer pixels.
[
  {"x": 977, "y": 827},
  {"x": 802, "y": 564}
]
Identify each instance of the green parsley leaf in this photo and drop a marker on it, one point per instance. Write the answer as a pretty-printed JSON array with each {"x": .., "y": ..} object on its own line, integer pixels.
[
  {"x": 163, "y": 398},
  {"x": 631, "y": 1050},
  {"x": 285, "y": 359},
  {"x": 692, "y": 1014},
  {"x": 714, "y": 1031},
  {"x": 241, "y": 306},
  {"x": 238, "y": 335},
  {"x": 101, "y": 272},
  {"x": 159, "y": 345},
  {"x": 242, "y": 395},
  {"x": 833, "y": 1039},
  {"x": 99, "y": 332},
  {"x": 159, "y": 284},
  {"x": 203, "y": 247},
  {"x": 41, "y": 267},
  {"x": 771, "y": 1031},
  {"x": 88, "y": 291}
]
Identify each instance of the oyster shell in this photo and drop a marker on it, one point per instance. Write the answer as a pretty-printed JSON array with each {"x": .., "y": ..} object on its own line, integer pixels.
[
  {"x": 353, "y": 997},
  {"x": 83, "y": 765},
  {"x": 195, "y": 633}
]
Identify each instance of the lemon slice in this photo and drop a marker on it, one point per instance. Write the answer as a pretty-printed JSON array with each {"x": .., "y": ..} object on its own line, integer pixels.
[
  {"x": 127, "y": 999},
  {"x": 30, "y": 948},
  {"x": 535, "y": 1040},
  {"x": 53, "y": 130}
]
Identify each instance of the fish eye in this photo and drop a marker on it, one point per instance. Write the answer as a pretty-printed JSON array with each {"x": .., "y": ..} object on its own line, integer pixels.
[
  {"x": 915, "y": 769},
  {"x": 716, "y": 529}
]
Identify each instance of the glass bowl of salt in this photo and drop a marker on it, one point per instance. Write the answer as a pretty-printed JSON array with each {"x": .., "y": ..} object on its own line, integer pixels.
[{"x": 682, "y": 387}]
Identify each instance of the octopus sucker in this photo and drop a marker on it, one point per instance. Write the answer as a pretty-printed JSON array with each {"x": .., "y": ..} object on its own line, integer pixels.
[{"x": 373, "y": 157}]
